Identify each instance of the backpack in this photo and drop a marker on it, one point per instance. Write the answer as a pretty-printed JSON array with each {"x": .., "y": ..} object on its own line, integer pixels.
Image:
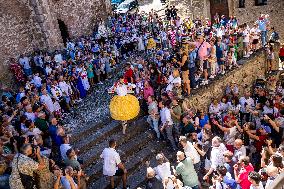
[{"x": 276, "y": 36}]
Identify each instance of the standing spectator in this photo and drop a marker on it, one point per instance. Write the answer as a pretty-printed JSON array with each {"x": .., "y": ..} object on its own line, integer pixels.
[
  {"x": 242, "y": 171},
  {"x": 262, "y": 23},
  {"x": 255, "y": 179},
  {"x": 186, "y": 170},
  {"x": 153, "y": 118},
  {"x": 202, "y": 52},
  {"x": 25, "y": 63},
  {"x": 17, "y": 71},
  {"x": 217, "y": 159},
  {"x": 281, "y": 55},
  {"x": 191, "y": 152},
  {"x": 113, "y": 165},
  {"x": 167, "y": 123},
  {"x": 23, "y": 164}
]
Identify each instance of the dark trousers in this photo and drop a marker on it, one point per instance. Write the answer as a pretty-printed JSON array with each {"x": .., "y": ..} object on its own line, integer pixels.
[{"x": 192, "y": 72}]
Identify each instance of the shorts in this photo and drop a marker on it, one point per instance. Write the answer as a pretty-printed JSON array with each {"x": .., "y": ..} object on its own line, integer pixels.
[
  {"x": 205, "y": 64},
  {"x": 281, "y": 58},
  {"x": 119, "y": 172},
  {"x": 220, "y": 62},
  {"x": 185, "y": 76},
  {"x": 255, "y": 41}
]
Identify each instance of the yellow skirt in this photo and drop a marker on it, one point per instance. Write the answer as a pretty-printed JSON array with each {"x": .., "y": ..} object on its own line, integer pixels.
[{"x": 124, "y": 108}]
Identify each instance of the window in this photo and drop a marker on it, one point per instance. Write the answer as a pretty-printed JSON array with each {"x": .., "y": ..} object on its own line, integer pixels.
[
  {"x": 241, "y": 3},
  {"x": 260, "y": 2}
]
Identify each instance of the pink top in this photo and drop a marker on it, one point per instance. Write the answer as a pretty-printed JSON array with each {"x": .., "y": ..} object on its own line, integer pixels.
[
  {"x": 203, "y": 50},
  {"x": 148, "y": 91},
  {"x": 244, "y": 172}
]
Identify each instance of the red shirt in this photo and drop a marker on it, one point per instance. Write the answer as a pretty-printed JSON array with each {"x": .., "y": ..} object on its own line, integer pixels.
[
  {"x": 260, "y": 143},
  {"x": 281, "y": 52},
  {"x": 128, "y": 75},
  {"x": 243, "y": 176}
]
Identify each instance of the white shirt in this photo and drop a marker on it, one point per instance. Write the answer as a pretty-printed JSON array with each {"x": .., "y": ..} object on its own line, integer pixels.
[
  {"x": 63, "y": 149},
  {"x": 255, "y": 33},
  {"x": 58, "y": 58},
  {"x": 37, "y": 81},
  {"x": 48, "y": 70},
  {"x": 217, "y": 157},
  {"x": 238, "y": 153},
  {"x": 111, "y": 160},
  {"x": 163, "y": 171},
  {"x": 65, "y": 87},
  {"x": 30, "y": 116},
  {"x": 166, "y": 116},
  {"x": 34, "y": 132},
  {"x": 121, "y": 90},
  {"x": 173, "y": 81},
  {"x": 249, "y": 102},
  {"x": 191, "y": 152},
  {"x": 25, "y": 62},
  {"x": 46, "y": 99},
  {"x": 246, "y": 36}
]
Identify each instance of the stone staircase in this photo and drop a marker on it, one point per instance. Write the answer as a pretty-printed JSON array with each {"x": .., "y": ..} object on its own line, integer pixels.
[{"x": 135, "y": 148}]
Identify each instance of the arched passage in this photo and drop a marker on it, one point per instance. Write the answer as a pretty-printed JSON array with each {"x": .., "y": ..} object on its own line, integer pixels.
[{"x": 63, "y": 30}]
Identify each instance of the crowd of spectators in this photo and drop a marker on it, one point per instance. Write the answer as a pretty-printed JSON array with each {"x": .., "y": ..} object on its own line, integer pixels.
[{"x": 166, "y": 58}]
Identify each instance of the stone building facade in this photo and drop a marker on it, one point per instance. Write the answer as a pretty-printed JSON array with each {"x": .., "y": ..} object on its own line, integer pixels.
[
  {"x": 253, "y": 8},
  {"x": 26, "y": 25}
]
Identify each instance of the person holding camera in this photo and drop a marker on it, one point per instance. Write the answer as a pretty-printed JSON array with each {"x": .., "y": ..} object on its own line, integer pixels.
[
  {"x": 241, "y": 172},
  {"x": 23, "y": 167}
]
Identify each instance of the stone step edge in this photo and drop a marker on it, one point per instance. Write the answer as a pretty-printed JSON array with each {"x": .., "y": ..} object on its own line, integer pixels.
[
  {"x": 131, "y": 167},
  {"x": 120, "y": 141},
  {"x": 127, "y": 152}
]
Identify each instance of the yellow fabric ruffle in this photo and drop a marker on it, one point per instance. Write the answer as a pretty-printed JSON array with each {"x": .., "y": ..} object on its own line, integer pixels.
[{"x": 124, "y": 108}]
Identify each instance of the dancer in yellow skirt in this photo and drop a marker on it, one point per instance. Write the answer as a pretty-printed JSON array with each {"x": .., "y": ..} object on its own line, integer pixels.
[{"x": 123, "y": 106}]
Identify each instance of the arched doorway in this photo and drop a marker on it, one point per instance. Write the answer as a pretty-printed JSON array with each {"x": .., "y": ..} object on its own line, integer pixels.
[
  {"x": 219, "y": 6},
  {"x": 64, "y": 30}
]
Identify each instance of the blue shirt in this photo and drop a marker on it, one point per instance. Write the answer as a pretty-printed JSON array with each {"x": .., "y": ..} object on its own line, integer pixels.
[
  {"x": 192, "y": 58},
  {"x": 262, "y": 24},
  {"x": 203, "y": 121}
]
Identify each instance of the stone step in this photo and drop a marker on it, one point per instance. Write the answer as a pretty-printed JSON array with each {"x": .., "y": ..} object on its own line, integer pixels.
[
  {"x": 90, "y": 128},
  {"x": 133, "y": 162},
  {"x": 93, "y": 137},
  {"x": 94, "y": 171},
  {"x": 94, "y": 149},
  {"x": 138, "y": 177}
]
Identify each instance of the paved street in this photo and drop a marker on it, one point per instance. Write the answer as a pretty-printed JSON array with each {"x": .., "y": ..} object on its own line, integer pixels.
[{"x": 186, "y": 8}]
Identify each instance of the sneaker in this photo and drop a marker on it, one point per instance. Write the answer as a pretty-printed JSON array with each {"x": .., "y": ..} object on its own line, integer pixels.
[
  {"x": 79, "y": 100},
  {"x": 202, "y": 83},
  {"x": 206, "y": 82},
  {"x": 211, "y": 77},
  {"x": 100, "y": 83},
  {"x": 223, "y": 72}
]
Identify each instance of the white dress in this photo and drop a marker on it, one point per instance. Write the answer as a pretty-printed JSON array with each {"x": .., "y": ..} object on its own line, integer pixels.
[
  {"x": 141, "y": 46},
  {"x": 85, "y": 81}
]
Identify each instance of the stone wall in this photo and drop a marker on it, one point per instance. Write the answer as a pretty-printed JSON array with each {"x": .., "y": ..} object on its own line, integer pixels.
[
  {"x": 244, "y": 76},
  {"x": 192, "y": 8},
  {"x": 249, "y": 14},
  {"x": 27, "y": 25},
  {"x": 81, "y": 16}
]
